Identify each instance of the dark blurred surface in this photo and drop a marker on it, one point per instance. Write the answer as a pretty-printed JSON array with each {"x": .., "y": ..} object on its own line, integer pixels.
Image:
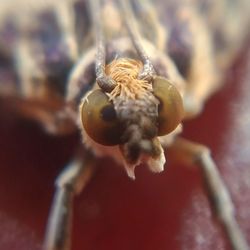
[{"x": 156, "y": 211}]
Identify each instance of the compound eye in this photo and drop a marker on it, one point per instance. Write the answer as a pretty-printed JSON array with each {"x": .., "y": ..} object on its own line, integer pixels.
[
  {"x": 99, "y": 119},
  {"x": 170, "y": 108}
]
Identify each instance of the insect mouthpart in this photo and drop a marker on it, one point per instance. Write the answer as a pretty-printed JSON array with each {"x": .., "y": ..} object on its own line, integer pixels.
[{"x": 132, "y": 115}]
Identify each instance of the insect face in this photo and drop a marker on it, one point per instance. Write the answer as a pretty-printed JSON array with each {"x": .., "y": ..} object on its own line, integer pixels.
[
  {"x": 132, "y": 112},
  {"x": 133, "y": 115}
]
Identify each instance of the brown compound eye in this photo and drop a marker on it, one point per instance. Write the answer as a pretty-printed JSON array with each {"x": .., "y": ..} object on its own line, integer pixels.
[
  {"x": 99, "y": 119},
  {"x": 170, "y": 108}
]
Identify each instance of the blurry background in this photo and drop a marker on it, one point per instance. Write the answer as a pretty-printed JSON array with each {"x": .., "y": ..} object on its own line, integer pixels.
[{"x": 157, "y": 211}]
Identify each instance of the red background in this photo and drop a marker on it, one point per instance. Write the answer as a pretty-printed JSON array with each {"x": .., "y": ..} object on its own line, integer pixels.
[{"x": 157, "y": 211}]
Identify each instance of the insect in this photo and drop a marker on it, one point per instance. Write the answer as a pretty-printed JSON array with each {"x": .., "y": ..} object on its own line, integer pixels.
[{"x": 129, "y": 93}]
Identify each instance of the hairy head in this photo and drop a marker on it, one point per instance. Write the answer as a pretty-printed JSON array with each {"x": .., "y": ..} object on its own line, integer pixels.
[{"x": 133, "y": 115}]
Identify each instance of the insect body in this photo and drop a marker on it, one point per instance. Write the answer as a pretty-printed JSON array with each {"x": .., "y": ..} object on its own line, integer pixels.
[{"x": 129, "y": 93}]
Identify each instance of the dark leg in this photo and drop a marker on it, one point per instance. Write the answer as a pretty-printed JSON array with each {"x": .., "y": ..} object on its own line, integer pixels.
[
  {"x": 191, "y": 153},
  {"x": 69, "y": 183}
]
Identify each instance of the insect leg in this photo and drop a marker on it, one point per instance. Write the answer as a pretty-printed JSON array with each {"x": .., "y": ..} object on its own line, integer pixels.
[
  {"x": 129, "y": 19},
  {"x": 69, "y": 183},
  {"x": 104, "y": 81},
  {"x": 190, "y": 153}
]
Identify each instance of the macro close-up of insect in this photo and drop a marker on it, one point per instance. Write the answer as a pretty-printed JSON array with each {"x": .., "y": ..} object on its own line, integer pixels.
[{"x": 93, "y": 94}]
